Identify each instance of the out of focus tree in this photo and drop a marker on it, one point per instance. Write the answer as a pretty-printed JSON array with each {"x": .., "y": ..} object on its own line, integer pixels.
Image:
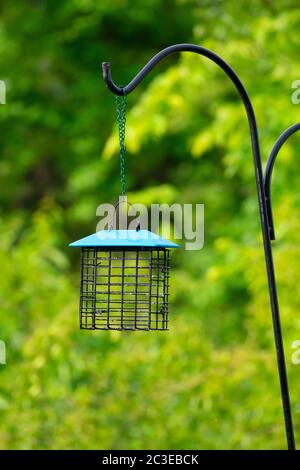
[{"x": 211, "y": 382}]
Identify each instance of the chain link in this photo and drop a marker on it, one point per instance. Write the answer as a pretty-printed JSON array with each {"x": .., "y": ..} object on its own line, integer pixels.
[{"x": 121, "y": 120}]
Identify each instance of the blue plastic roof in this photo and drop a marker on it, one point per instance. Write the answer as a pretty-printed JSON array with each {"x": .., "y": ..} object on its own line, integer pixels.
[{"x": 125, "y": 238}]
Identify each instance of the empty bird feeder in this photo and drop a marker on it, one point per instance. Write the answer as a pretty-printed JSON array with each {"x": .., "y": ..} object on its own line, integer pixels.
[
  {"x": 124, "y": 280},
  {"x": 124, "y": 273}
]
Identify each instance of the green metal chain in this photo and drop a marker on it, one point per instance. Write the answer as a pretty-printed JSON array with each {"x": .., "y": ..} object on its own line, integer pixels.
[{"x": 121, "y": 120}]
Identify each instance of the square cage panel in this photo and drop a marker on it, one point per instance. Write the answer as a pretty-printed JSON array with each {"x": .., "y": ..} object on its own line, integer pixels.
[{"x": 124, "y": 289}]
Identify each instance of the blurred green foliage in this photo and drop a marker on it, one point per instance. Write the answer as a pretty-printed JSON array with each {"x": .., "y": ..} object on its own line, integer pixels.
[{"x": 211, "y": 382}]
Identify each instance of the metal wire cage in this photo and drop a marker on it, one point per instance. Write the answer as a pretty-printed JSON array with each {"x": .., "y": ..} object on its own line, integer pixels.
[
  {"x": 124, "y": 290},
  {"x": 124, "y": 281}
]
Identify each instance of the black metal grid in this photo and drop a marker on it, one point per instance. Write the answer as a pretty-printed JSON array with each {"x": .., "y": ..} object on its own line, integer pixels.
[{"x": 124, "y": 289}]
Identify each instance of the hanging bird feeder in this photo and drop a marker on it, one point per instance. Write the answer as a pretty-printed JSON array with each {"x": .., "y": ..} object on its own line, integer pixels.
[
  {"x": 124, "y": 273},
  {"x": 124, "y": 280}
]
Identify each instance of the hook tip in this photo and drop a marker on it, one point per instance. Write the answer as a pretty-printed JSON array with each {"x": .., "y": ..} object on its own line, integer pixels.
[
  {"x": 105, "y": 70},
  {"x": 106, "y": 73}
]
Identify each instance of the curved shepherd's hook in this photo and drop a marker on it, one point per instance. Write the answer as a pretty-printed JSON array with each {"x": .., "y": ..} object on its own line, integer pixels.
[
  {"x": 260, "y": 191},
  {"x": 269, "y": 169}
]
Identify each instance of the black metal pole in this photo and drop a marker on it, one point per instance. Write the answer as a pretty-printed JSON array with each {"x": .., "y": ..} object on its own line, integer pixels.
[
  {"x": 269, "y": 170},
  {"x": 260, "y": 192}
]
